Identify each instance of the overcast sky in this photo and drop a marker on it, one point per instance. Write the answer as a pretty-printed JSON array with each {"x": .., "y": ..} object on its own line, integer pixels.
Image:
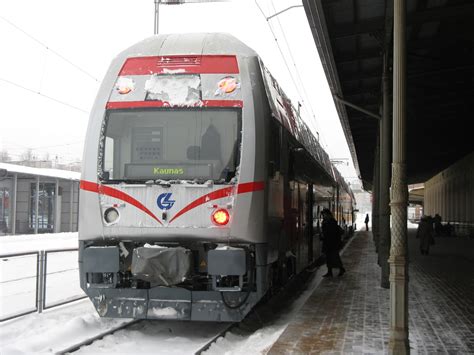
[{"x": 82, "y": 37}]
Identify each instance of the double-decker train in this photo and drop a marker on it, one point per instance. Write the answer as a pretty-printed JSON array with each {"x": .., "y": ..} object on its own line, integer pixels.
[{"x": 201, "y": 185}]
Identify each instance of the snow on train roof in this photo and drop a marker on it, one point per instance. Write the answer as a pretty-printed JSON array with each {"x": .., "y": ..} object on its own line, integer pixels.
[
  {"x": 189, "y": 44},
  {"x": 54, "y": 173}
]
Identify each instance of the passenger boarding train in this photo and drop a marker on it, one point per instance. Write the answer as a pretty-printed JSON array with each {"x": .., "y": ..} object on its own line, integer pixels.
[{"x": 201, "y": 185}]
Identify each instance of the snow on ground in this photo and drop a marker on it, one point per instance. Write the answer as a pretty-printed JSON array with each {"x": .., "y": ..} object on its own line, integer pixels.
[
  {"x": 157, "y": 337},
  {"x": 18, "y": 274},
  {"x": 53, "y": 330},
  {"x": 59, "y": 327},
  {"x": 261, "y": 340},
  {"x": 56, "y": 328},
  {"x": 34, "y": 242}
]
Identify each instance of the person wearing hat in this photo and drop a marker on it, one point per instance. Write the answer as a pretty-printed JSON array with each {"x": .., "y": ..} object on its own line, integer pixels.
[{"x": 331, "y": 237}]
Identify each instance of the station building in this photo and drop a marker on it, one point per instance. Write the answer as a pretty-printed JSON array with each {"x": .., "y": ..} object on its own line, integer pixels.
[{"x": 38, "y": 200}]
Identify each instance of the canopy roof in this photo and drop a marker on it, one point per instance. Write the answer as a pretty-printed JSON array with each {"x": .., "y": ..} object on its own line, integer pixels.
[{"x": 351, "y": 36}]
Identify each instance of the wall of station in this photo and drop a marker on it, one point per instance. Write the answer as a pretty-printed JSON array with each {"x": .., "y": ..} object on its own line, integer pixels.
[
  {"x": 451, "y": 195},
  {"x": 54, "y": 217}
]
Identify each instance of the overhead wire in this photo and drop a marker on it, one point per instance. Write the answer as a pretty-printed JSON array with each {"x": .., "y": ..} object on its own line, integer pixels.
[
  {"x": 284, "y": 59},
  {"x": 43, "y": 95},
  {"x": 38, "y": 92},
  {"x": 50, "y": 49},
  {"x": 305, "y": 98}
]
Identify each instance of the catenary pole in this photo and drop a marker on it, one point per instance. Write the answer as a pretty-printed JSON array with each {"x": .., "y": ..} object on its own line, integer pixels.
[{"x": 157, "y": 16}]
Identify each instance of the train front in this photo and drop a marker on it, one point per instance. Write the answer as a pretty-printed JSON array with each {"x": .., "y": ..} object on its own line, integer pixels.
[{"x": 167, "y": 210}]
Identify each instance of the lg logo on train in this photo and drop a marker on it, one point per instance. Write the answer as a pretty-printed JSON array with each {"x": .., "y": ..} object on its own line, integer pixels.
[{"x": 163, "y": 201}]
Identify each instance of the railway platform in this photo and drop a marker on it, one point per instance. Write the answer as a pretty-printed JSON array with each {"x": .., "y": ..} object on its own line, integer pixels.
[{"x": 350, "y": 314}]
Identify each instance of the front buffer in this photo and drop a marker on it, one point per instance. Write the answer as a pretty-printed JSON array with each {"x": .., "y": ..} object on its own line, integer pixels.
[{"x": 198, "y": 282}]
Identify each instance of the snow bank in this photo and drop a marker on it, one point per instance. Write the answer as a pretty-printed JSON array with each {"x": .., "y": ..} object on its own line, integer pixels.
[{"x": 53, "y": 330}]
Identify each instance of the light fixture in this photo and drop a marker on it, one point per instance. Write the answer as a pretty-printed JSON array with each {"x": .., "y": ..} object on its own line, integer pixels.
[
  {"x": 220, "y": 217},
  {"x": 111, "y": 215}
]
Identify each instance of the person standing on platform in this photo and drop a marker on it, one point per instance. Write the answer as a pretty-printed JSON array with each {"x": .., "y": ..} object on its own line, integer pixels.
[
  {"x": 331, "y": 236},
  {"x": 366, "y": 221},
  {"x": 438, "y": 227},
  {"x": 425, "y": 233}
]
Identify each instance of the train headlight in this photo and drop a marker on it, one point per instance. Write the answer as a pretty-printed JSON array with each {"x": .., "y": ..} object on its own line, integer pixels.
[
  {"x": 124, "y": 85},
  {"x": 220, "y": 217},
  {"x": 227, "y": 85},
  {"x": 111, "y": 215}
]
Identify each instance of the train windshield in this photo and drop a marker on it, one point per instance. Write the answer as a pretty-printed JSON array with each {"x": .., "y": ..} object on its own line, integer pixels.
[{"x": 173, "y": 145}]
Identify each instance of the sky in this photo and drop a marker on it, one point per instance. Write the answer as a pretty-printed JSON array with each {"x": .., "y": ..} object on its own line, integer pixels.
[{"x": 56, "y": 52}]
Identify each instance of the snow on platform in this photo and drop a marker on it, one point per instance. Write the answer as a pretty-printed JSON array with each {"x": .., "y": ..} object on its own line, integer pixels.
[
  {"x": 33, "y": 242},
  {"x": 350, "y": 314}
]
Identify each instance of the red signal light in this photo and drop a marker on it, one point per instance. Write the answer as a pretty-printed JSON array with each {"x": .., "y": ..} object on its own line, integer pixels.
[{"x": 220, "y": 217}]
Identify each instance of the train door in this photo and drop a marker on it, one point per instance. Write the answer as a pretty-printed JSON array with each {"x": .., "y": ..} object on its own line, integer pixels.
[
  {"x": 291, "y": 224},
  {"x": 309, "y": 223},
  {"x": 303, "y": 249}
]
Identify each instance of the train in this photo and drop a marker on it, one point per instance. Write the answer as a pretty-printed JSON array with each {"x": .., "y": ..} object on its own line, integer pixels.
[{"x": 201, "y": 185}]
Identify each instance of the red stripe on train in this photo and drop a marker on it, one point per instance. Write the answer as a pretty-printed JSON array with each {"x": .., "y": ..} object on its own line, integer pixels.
[
  {"x": 225, "y": 192},
  {"x": 117, "y": 105},
  {"x": 110, "y": 191},
  {"x": 184, "y": 64},
  {"x": 214, "y": 195}
]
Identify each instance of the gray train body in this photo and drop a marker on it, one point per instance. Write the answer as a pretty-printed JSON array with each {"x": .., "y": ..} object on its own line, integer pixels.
[{"x": 201, "y": 185}]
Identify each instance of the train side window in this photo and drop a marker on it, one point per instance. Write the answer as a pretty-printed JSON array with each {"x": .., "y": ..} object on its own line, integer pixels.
[
  {"x": 109, "y": 157},
  {"x": 274, "y": 149}
]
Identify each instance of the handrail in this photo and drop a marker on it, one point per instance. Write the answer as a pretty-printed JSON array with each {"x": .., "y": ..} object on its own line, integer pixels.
[{"x": 41, "y": 278}]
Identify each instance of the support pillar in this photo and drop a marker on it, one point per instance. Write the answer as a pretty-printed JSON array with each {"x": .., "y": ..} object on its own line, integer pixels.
[
  {"x": 399, "y": 343},
  {"x": 71, "y": 206},
  {"x": 157, "y": 16},
  {"x": 376, "y": 198},
  {"x": 385, "y": 131},
  {"x": 57, "y": 208},
  {"x": 37, "y": 204},
  {"x": 15, "y": 195}
]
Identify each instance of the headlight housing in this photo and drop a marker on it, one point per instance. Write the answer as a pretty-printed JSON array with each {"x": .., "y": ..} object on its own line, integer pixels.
[{"x": 111, "y": 215}]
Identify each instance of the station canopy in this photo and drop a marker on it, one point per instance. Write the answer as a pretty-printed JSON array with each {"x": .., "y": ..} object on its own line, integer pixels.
[{"x": 351, "y": 36}]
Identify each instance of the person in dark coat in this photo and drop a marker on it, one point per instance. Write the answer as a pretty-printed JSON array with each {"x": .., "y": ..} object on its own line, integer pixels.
[
  {"x": 425, "y": 233},
  {"x": 438, "y": 227},
  {"x": 366, "y": 221},
  {"x": 331, "y": 237}
]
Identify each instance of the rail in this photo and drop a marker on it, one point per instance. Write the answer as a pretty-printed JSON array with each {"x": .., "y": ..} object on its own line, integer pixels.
[{"x": 41, "y": 276}]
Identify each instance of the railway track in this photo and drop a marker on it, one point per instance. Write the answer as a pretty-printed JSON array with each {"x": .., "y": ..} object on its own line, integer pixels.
[
  {"x": 200, "y": 347},
  {"x": 90, "y": 340},
  {"x": 213, "y": 340}
]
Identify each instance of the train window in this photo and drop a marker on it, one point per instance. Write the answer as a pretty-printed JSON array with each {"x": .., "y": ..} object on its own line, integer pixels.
[
  {"x": 109, "y": 154},
  {"x": 165, "y": 144}
]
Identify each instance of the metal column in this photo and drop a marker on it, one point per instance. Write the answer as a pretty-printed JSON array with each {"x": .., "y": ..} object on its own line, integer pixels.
[
  {"x": 57, "y": 222},
  {"x": 71, "y": 205},
  {"x": 15, "y": 194},
  {"x": 375, "y": 198},
  {"x": 385, "y": 132},
  {"x": 399, "y": 343},
  {"x": 37, "y": 204},
  {"x": 157, "y": 16}
]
